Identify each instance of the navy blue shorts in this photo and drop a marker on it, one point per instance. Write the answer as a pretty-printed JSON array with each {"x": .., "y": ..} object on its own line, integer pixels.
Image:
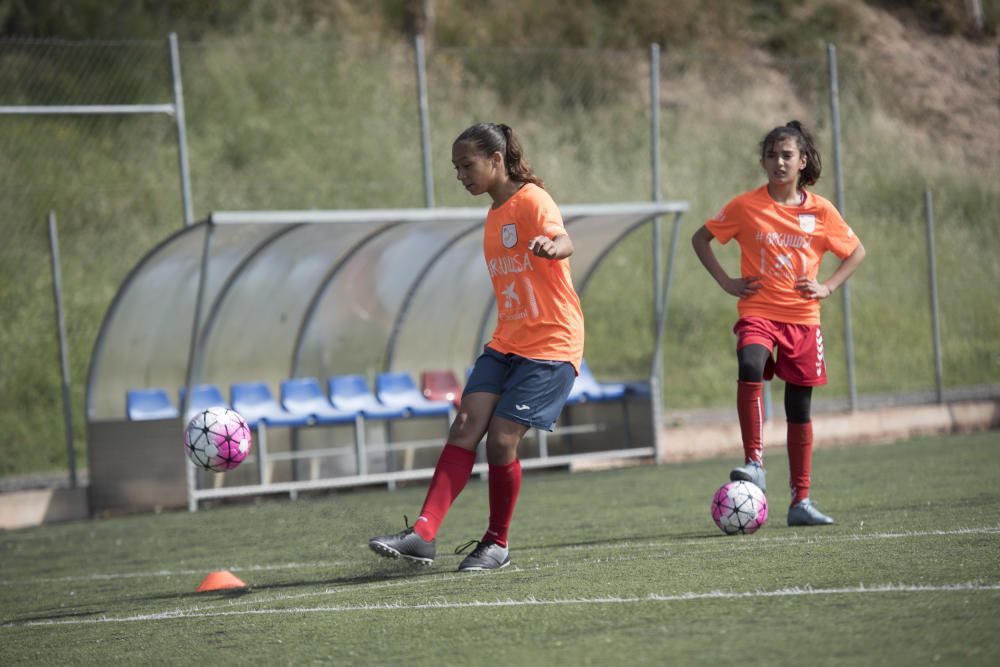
[{"x": 532, "y": 391}]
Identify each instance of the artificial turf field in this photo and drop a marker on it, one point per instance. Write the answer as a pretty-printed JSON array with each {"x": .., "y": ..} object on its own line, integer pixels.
[{"x": 616, "y": 567}]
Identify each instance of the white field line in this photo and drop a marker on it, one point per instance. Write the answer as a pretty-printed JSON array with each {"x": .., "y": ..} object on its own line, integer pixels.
[
  {"x": 523, "y": 566},
  {"x": 721, "y": 543},
  {"x": 812, "y": 536},
  {"x": 525, "y": 602},
  {"x": 167, "y": 573}
]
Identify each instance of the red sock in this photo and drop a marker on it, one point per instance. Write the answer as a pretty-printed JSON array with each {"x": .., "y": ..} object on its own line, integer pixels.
[
  {"x": 750, "y": 408},
  {"x": 505, "y": 485},
  {"x": 450, "y": 476},
  {"x": 800, "y": 445}
]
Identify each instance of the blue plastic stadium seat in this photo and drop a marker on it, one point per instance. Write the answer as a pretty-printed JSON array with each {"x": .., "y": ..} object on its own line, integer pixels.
[
  {"x": 587, "y": 388},
  {"x": 638, "y": 388},
  {"x": 398, "y": 390},
  {"x": 350, "y": 393},
  {"x": 304, "y": 396},
  {"x": 254, "y": 401},
  {"x": 151, "y": 403},
  {"x": 610, "y": 391},
  {"x": 203, "y": 396}
]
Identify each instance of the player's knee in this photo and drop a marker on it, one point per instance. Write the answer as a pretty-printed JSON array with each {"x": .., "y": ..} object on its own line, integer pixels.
[
  {"x": 464, "y": 429},
  {"x": 501, "y": 451},
  {"x": 751, "y": 361}
]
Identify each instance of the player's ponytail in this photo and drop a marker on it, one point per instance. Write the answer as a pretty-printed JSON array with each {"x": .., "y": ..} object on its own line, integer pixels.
[
  {"x": 492, "y": 138},
  {"x": 807, "y": 146},
  {"x": 517, "y": 167}
]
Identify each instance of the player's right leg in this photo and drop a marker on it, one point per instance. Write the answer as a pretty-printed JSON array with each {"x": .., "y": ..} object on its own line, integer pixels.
[
  {"x": 753, "y": 358},
  {"x": 406, "y": 545},
  {"x": 454, "y": 466}
]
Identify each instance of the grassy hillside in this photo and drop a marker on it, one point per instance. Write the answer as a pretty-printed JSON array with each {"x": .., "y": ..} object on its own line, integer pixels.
[{"x": 326, "y": 120}]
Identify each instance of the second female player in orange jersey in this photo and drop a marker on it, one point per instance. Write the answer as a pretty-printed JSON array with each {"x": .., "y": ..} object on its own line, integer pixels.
[
  {"x": 783, "y": 231},
  {"x": 526, "y": 371}
]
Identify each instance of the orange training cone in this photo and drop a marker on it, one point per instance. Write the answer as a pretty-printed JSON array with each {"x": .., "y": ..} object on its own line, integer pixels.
[{"x": 220, "y": 580}]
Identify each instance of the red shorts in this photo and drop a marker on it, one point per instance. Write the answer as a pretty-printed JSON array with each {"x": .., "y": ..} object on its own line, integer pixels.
[{"x": 799, "y": 349}]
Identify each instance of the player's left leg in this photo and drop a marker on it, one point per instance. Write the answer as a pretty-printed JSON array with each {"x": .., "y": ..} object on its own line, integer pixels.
[
  {"x": 533, "y": 398},
  {"x": 800, "y": 440},
  {"x": 802, "y": 366},
  {"x": 491, "y": 551}
]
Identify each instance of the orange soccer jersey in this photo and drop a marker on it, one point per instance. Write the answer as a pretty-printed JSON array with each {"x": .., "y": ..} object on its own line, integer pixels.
[
  {"x": 538, "y": 311},
  {"x": 781, "y": 244}
]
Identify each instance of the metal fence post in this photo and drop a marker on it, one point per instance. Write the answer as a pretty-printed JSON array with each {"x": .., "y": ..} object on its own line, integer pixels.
[
  {"x": 194, "y": 349},
  {"x": 845, "y": 289},
  {"x": 654, "y": 152},
  {"x": 425, "y": 129},
  {"x": 932, "y": 278},
  {"x": 63, "y": 349},
  {"x": 182, "y": 152},
  {"x": 656, "y": 382}
]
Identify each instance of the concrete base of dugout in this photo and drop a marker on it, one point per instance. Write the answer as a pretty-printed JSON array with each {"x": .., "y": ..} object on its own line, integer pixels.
[{"x": 688, "y": 437}]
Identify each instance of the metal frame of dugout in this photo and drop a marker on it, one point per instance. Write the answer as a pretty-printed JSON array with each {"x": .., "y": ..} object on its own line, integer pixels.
[{"x": 450, "y": 253}]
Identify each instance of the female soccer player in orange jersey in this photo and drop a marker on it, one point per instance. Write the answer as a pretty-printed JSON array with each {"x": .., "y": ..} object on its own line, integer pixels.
[
  {"x": 526, "y": 371},
  {"x": 783, "y": 231}
]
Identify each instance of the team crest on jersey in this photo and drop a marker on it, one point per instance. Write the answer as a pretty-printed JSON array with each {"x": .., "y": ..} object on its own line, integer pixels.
[
  {"x": 807, "y": 222},
  {"x": 508, "y": 235}
]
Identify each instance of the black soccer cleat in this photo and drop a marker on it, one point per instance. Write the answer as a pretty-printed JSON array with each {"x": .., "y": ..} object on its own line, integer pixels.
[{"x": 406, "y": 545}]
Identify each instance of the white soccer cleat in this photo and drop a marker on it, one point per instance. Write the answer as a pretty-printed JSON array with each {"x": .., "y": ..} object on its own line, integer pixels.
[
  {"x": 804, "y": 513},
  {"x": 752, "y": 472}
]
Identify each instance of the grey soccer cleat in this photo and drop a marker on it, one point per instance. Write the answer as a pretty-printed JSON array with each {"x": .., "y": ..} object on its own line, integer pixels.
[
  {"x": 406, "y": 545},
  {"x": 804, "y": 513},
  {"x": 486, "y": 556},
  {"x": 752, "y": 472}
]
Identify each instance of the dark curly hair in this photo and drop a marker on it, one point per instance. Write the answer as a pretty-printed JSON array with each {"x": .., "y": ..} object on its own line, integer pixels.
[{"x": 807, "y": 146}]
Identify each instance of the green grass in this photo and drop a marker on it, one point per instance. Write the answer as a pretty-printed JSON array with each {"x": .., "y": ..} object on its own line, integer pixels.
[{"x": 614, "y": 567}]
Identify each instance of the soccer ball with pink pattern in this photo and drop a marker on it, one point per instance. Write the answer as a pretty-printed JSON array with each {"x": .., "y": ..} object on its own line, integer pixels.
[
  {"x": 739, "y": 507},
  {"x": 217, "y": 439}
]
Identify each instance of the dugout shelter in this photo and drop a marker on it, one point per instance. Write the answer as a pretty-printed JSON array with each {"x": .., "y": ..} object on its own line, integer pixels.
[{"x": 268, "y": 298}]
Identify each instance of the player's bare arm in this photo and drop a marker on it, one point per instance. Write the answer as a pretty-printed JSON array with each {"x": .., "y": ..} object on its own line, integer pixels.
[
  {"x": 810, "y": 288},
  {"x": 742, "y": 287},
  {"x": 559, "y": 247}
]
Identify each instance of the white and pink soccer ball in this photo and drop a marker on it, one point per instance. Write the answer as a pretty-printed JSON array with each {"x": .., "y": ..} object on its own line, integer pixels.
[
  {"x": 217, "y": 439},
  {"x": 739, "y": 507}
]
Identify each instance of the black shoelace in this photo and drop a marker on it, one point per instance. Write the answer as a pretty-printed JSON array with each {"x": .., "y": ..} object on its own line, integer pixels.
[
  {"x": 478, "y": 551},
  {"x": 408, "y": 529}
]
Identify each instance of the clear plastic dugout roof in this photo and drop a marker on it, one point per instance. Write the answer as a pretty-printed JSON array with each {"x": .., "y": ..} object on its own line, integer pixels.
[{"x": 316, "y": 294}]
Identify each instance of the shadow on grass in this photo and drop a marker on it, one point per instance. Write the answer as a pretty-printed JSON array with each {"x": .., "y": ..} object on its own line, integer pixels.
[
  {"x": 404, "y": 572},
  {"x": 626, "y": 540},
  {"x": 43, "y": 617}
]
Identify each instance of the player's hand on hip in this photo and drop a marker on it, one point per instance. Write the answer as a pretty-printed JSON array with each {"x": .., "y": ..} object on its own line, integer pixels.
[
  {"x": 542, "y": 246},
  {"x": 812, "y": 289},
  {"x": 742, "y": 287}
]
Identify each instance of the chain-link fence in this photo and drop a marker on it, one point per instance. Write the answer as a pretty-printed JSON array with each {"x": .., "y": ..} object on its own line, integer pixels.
[{"x": 320, "y": 124}]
